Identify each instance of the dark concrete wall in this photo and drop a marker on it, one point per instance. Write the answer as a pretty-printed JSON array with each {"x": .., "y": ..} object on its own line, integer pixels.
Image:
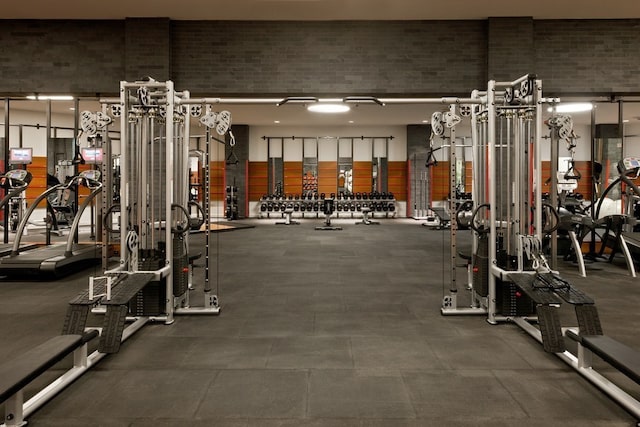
[
  {"x": 147, "y": 48},
  {"x": 588, "y": 56},
  {"x": 417, "y": 57},
  {"x": 511, "y": 48},
  {"x": 61, "y": 56},
  {"x": 295, "y": 58}
]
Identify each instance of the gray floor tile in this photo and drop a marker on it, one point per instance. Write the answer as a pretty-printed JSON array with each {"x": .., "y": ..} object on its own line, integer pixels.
[
  {"x": 311, "y": 352},
  {"x": 278, "y": 324},
  {"x": 393, "y": 353},
  {"x": 256, "y": 394},
  {"x": 444, "y": 394},
  {"x": 228, "y": 353},
  {"x": 356, "y": 394},
  {"x": 552, "y": 395},
  {"x": 477, "y": 352}
]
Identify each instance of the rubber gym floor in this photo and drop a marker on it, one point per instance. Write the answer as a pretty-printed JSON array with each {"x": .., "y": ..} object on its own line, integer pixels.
[{"x": 327, "y": 328}]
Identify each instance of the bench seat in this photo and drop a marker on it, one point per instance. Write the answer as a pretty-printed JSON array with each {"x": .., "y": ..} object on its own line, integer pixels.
[{"x": 17, "y": 373}]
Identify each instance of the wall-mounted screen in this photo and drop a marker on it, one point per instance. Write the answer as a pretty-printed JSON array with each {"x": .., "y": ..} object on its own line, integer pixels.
[
  {"x": 92, "y": 155},
  {"x": 20, "y": 156}
]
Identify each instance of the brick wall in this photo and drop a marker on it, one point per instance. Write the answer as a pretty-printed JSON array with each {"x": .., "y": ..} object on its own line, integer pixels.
[
  {"x": 354, "y": 57},
  {"x": 61, "y": 56},
  {"x": 423, "y": 57},
  {"x": 147, "y": 49},
  {"x": 510, "y": 53},
  {"x": 588, "y": 56}
]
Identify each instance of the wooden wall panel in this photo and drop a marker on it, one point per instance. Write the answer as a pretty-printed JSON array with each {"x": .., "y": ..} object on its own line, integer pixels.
[
  {"x": 397, "y": 179},
  {"x": 362, "y": 179},
  {"x": 38, "y": 184},
  {"x": 292, "y": 177},
  {"x": 258, "y": 180},
  {"x": 327, "y": 177},
  {"x": 468, "y": 176},
  {"x": 440, "y": 181},
  {"x": 584, "y": 184},
  {"x": 217, "y": 176}
]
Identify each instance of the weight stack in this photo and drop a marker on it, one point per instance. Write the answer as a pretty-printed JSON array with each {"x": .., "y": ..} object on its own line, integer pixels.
[
  {"x": 149, "y": 301},
  {"x": 481, "y": 267},
  {"x": 180, "y": 267},
  {"x": 511, "y": 301}
]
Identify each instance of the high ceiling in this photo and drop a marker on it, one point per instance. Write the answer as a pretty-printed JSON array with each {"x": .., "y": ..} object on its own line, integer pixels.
[{"x": 320, "y": 9}]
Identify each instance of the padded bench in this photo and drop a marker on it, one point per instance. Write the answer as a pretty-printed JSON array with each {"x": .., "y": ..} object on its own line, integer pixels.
[
  {"x": 623, "y": 358},
  {"x": 19, "y": 372}
]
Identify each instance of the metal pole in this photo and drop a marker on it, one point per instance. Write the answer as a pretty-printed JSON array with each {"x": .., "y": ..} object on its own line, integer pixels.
[
  {"x": 554, "y": 193},
  {"x": 6, "y": 166},
  {"x": 491, "y": 154},
  {"x": 452, "y": 204}
]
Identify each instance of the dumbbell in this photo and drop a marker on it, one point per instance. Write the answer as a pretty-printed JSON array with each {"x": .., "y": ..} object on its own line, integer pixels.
[{"x": 263, "y": 207}]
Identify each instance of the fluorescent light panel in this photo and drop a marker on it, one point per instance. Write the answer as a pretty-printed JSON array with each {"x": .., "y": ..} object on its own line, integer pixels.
[
  {"x": 51, "y": 97},
  {"x": 328, "y": 108},
  {"x": 574, "y": 107}
]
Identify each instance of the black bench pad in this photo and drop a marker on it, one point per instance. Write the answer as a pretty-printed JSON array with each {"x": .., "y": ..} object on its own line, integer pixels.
[
  {"x": 620, "y": 356},
  {"x": 128, "y": 288},
  {"x": 24, "y": 368},
  {"x": 541, "y": 296}
]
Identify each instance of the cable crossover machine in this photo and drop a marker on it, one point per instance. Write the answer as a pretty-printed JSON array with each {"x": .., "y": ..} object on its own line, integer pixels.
[
  {"x": 511, "y": 279},
  {"x": 152, "y": 279}
]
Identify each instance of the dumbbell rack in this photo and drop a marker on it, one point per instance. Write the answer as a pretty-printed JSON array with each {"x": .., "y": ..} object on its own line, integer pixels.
[
  {"x": 231, "y": 211},
  {"x": 381, "y": 205}
]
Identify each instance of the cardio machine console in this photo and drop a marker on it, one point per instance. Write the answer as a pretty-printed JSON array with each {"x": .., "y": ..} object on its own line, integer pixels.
[
  {"x": 631, "y": 165},
  {"x": 91, "y": 175},
  {"x": 16, "y": 174}
]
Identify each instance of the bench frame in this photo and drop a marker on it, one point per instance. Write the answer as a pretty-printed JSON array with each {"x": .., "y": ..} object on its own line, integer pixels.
[
  {"x": 16, "y": 409},
  {"x": 582, "y": 363}
]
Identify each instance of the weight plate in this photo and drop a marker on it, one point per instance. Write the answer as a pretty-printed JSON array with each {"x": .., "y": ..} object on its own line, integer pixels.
[{"x": 436, "y": 123}]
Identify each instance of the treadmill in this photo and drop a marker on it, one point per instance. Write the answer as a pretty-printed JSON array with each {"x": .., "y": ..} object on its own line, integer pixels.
[
  {"x": 56, "y": 260},
  {"x": 14, "y": 182}
]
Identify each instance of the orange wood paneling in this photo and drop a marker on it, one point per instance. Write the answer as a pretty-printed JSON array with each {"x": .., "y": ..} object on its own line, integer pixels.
[
  {"x": 584, "y": 184},
  {"x": 38, "y": 169},
  {"x": 258, "y": 180},
  {"x": 397, "y": 179},
  {"x": 468, "y": 176},
  {"x": 292, "y": 177},
  {"x": 217, "y": 176},
  {"x": 327, "y": 177},
  {"x": 362, "y": 179},
  {"x": 440, "y": 181}
]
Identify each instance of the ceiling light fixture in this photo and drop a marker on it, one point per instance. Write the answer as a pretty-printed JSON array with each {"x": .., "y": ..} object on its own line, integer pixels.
[
  {"x": 51, "y": 97},
  {"x": 328, "y": 108},
  {"x": 574, "y": 107}
]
